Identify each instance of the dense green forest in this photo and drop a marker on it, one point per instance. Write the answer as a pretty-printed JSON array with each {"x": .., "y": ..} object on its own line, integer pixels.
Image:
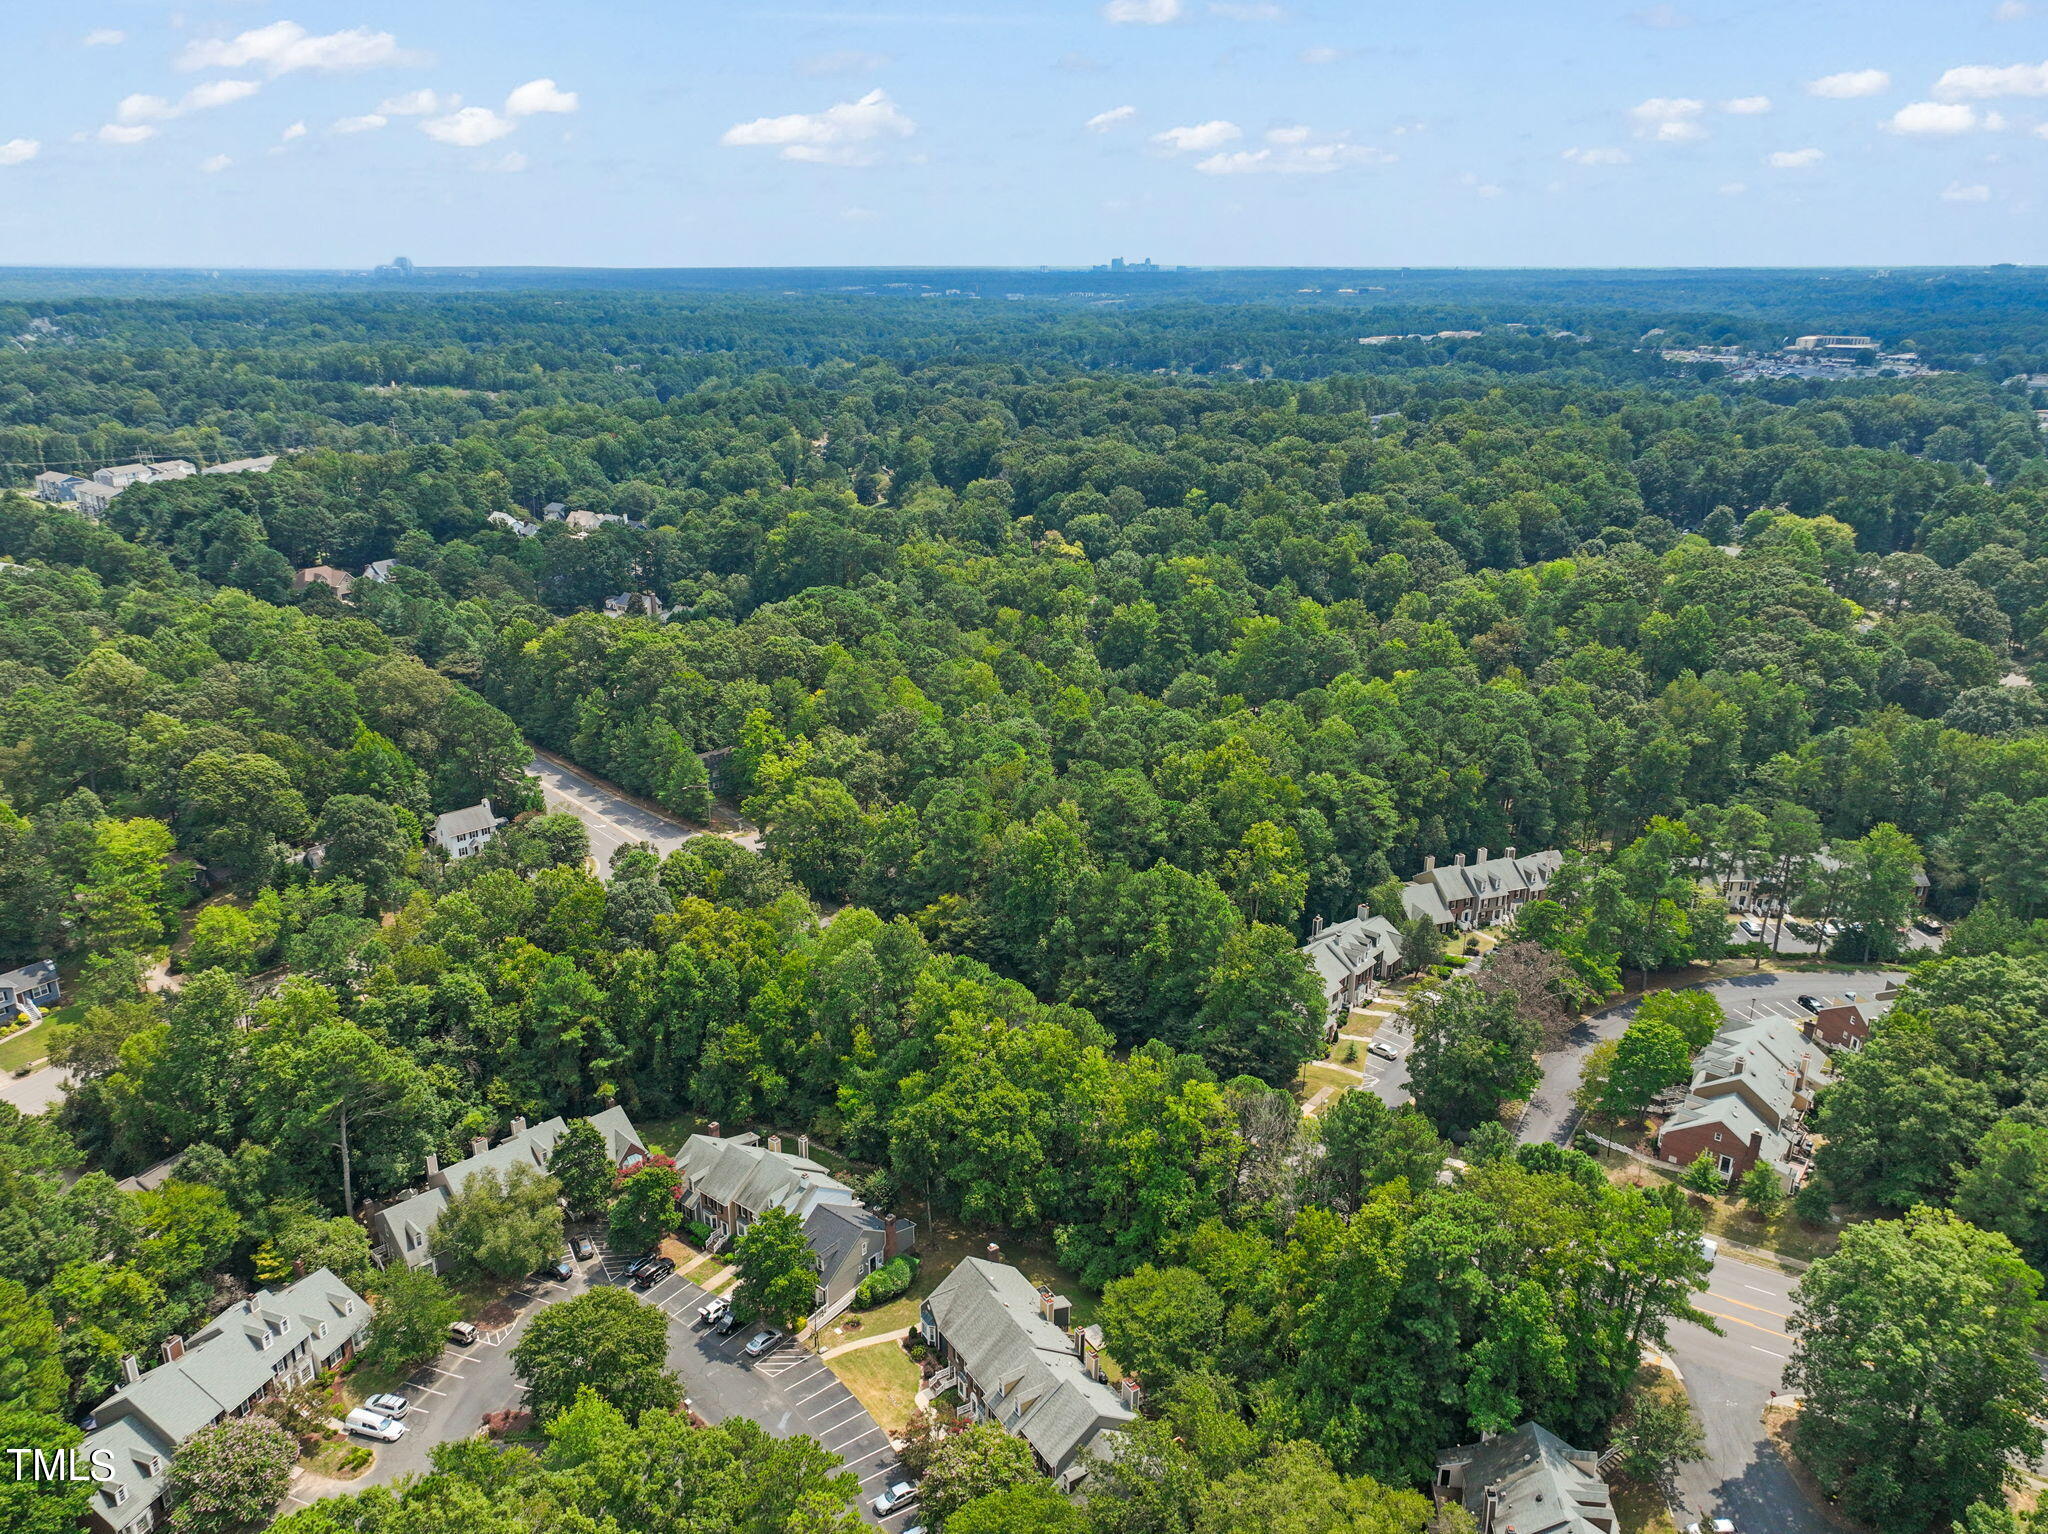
[{"x": 1073, "y": 660}]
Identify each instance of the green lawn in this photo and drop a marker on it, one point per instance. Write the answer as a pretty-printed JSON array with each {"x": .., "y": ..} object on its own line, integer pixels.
[
  {"x": 25, "y": 1047},
  {"x": 883, "y": 1379}
]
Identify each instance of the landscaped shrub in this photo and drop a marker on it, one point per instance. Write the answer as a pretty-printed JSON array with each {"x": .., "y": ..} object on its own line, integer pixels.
[
  {"x": 697, "y": 1233},
  {"x": 890, "y": 1281}
]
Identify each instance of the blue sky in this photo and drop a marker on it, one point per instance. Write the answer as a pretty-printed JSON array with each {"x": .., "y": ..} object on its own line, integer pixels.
[{"x": 1018, "y": 132}]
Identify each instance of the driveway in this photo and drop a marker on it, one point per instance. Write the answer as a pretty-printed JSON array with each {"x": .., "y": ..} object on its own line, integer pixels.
[
  {"x": 789, "y": 1392},
  {"x": 612, "y": 820},
  {"x": 1551, "y": 1116},
  {"x": 1731, "y": 1379}
]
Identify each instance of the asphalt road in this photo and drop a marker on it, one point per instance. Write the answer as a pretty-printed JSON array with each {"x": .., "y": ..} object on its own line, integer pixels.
[
  {"x": 613, "y": 822},
  {"x": 789, "y": 1392},
  {"x": 37, "y": 1090},
  {"x": 1731, "y": 1378}
]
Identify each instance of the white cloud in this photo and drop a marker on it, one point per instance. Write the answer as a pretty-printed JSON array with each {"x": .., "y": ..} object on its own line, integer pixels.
[
  {"x": 845, "y": 134},
  {"x": 217, "y": 93},
  {"x": 124, "y": 133},
  {"x": 1981, "y": 82},
  {"x": 845, "y": 61},
  {"x": 1795, "y": 159},
  {"x": 1956, "y": 191},
  {"x": 105, "y": 37},
  {"x": 1669, "y": 119},
  {"x": 141, "y": 108},
  {"x": 1246, "y": 10},
  {"x": 367, "y": 123},
  {"x": 541, "y": 95},
  {"x": 1115, "y": 117},
  {"x": 214, "y": 164},
  {"x": 1662, "y": 17},
  {"x": 19, "y": 151},
  {"x": 417, "y": 103},
  {"x": 1850, "y": 84},
  {"x": 296, "y": 130},
  {"x": 1597, "y": 156},
  {"x": 1198, "y": 137},
  {"x": 284, "y": 46},
  {"x": 1747, "y": 106},
  {"x": 1322, "y": 53},
  {"x": 468, "y": 128},
  {"x": 2012, "y": 10},
  {"x": 1934, "y": 117},
  {"x": 1142, "y": 13},
  {"x": 510, "y": 163},
  {"x": 1293, "y": 160}
]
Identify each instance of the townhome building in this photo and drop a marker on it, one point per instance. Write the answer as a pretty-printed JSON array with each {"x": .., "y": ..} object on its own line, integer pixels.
[
  {"x": 254, "y": 1350},
  {"x": 1352, "y": 958},
  {"x": 730, "y": 1181},
  {"x": 1529, "y": 1481},
  {"x": 1482, "y": 892},
  {"x": 1751, "y": 1089},
  {"x": 403, "y": 1228},
  {"x": 259, "y": 465},
  {"x": 1012, "y": 1352}
]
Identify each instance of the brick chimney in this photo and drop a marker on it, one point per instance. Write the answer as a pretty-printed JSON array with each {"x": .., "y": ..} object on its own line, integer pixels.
[
  {"x": 479, "y": 1145},
  {"x": 888, "y": 1236},
  {"x": 1509, "y": 854},
  {"x": 1756, "y": 1142},
  {"x": 174, "y": 1348},
  {"x": 1479, "y": 856},
  {"x": 1364, "y": 910},
  {"x": 298, "y": 1267},
  {"x": 1429, "y": 864},
  {"x": 519, "y": 1125},
  {"x": 775, "y": 1144},
  {"x": 803, "y": 1146},
  {"x": 131, "y": 1368},
  {"x": 1458, "y": 861},
  {"x": 711, "y": 1129},
  {"x": 1315, "y": 926},
  {"x": 433, "y": 1164}
]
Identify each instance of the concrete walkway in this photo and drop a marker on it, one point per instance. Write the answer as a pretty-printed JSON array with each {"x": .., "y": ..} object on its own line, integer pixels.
[{"x": 865, "y": 1342}]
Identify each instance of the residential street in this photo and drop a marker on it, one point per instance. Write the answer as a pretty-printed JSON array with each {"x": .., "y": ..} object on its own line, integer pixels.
[
  {"x": 37, "y": 1090},
  {"x": 612, "y": 821},
  {"x": 789, "y": 1392},
  {"x": 1731, "y": 1378}
]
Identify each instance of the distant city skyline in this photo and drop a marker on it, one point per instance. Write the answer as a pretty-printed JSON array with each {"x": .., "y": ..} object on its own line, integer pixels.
[{"x": 1022, "y": 132}]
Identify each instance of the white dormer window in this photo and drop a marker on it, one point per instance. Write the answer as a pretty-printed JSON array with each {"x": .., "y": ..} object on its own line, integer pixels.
[
  {"x": 119, "y": 1494},
  {"x": 320, "y": 1330}
]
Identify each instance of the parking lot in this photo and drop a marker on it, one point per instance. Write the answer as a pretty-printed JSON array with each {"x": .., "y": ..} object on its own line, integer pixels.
[{"x": 788, "y": 1391}]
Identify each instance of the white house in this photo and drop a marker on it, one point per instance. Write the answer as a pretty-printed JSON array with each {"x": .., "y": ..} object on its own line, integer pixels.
[{"x": 462, "y": 833}]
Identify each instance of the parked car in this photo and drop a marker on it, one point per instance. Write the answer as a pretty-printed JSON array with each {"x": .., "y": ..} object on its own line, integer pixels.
[
  {"x": 369, "y": 1424},
  {"x": 713, "y": 1310},
  {"x": 1383, "y": 1049},
  {"x": 388, "y": 1405},
  {"x": 730, "y": 1322},
  {"x": 1709, "y": 1248},
  {"x": 560, "y": 1268},
  {"x": 1711, "y": 1526},
  {"x": 1928, "y": 925},
  {"x": 763, "y": 1343},
  {"x": 633, "y": 1268},
  {"x": 1811, "y": 1003},
  {"x": 462, "y": 1332},
  {"x": 1751, "y": 926},
  {"x": 896, "y": 1496},
  {"x": 654, "y": 1272},
  {"x": 584, "y": 1248}
]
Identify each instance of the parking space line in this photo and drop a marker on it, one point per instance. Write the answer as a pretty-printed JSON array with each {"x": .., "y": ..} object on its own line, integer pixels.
[
  {"x": 885, "y": 1470},
  {"x": 818, "y": 1392},
  {"x": 430, "y": 1390},
  {"x": 824, "y": 1435}
]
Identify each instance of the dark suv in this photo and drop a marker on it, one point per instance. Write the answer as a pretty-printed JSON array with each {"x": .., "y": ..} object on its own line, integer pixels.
[{"x": 653, "y": 1272}]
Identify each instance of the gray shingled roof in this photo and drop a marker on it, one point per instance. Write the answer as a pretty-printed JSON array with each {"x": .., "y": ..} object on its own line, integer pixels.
[
  {"x": 1030, "y": 1378},
  {"x": 475, "y": 817},
  {"x": 1539, "y": 1484}
]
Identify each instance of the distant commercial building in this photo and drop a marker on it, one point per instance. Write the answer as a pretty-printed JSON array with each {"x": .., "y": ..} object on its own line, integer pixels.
[
  {"x": 93, "y": 495},
  {"x": 93, "y": 498},
  {"x": 55, "y": 486},
  {"x": 261, "y": 465},
  {"x": 1833, "y": 344}
]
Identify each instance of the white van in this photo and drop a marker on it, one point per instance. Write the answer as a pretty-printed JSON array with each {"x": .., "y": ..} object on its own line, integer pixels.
[{"x": 365, "y": 1423}]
